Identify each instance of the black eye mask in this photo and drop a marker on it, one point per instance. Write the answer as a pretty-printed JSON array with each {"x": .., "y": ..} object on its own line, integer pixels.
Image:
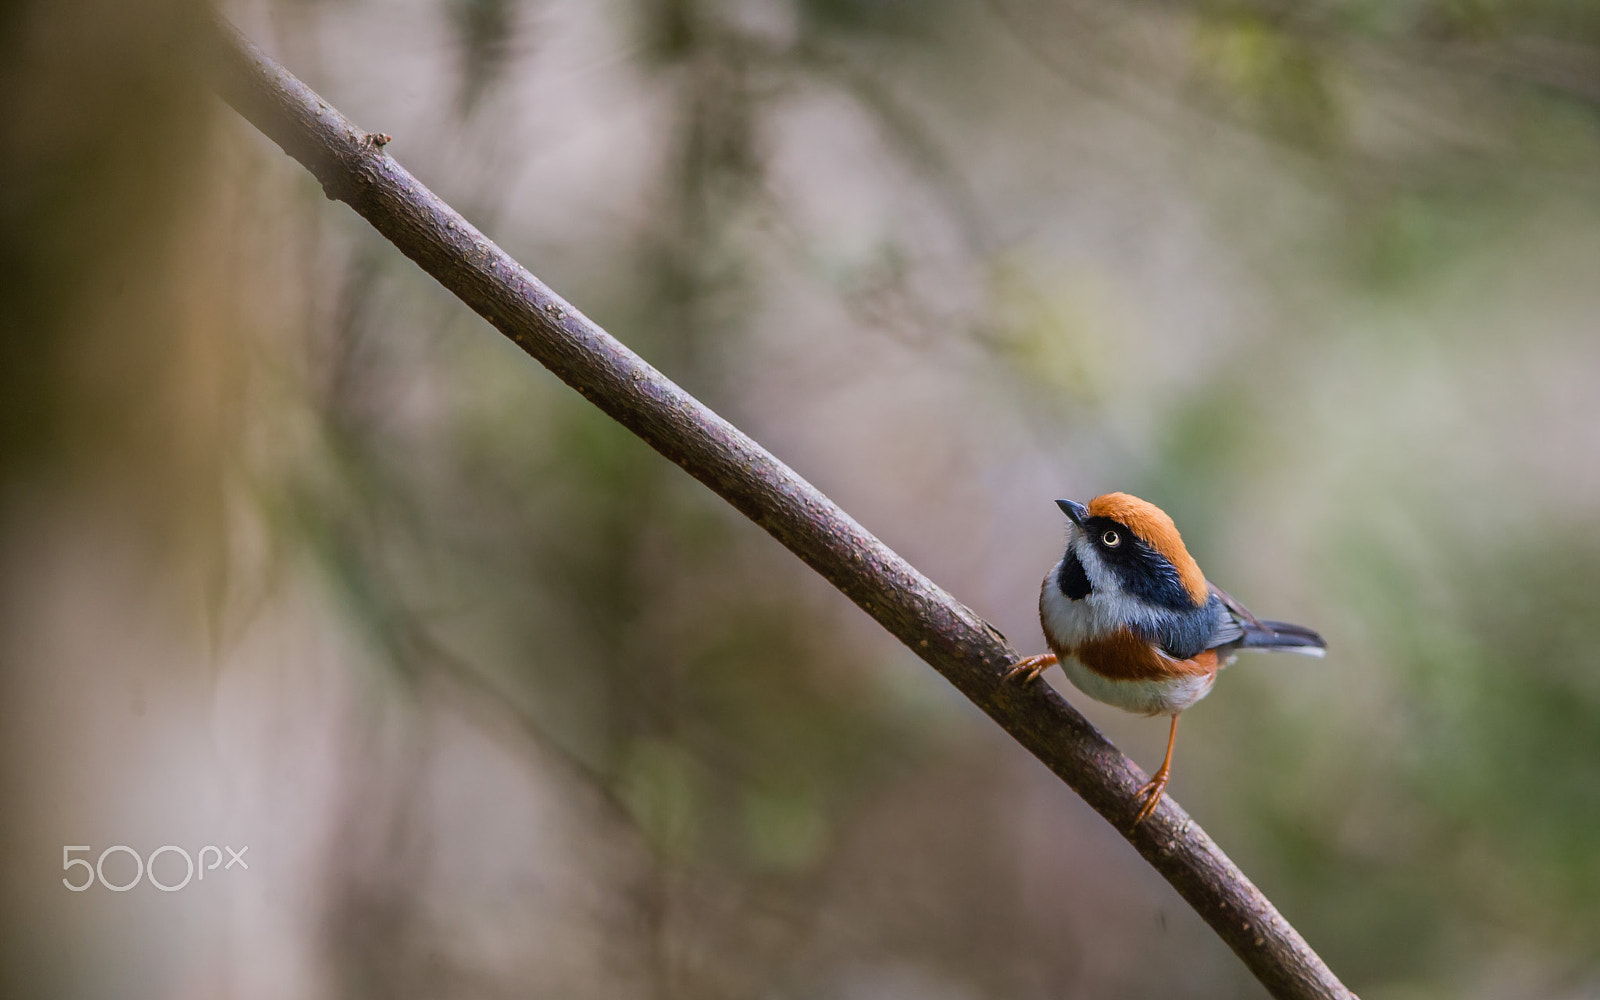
[{"x": 1142, "y": 572}]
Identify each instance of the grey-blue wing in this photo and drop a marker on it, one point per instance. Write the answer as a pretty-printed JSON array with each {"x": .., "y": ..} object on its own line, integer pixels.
[
  {"x": 1187, "y": 634},
  {"x": 1249, "y": 632}
]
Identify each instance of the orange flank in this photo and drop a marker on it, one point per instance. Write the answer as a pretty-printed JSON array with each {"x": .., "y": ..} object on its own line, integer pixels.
[{"x": 1124, "y": 656}]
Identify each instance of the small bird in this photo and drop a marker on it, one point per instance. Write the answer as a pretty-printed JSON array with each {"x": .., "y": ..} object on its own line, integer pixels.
[{"x": 1134, "y": 623}]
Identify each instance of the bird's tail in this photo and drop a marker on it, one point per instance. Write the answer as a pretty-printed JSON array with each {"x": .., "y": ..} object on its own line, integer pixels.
[{"x": 1283, "y": 637}]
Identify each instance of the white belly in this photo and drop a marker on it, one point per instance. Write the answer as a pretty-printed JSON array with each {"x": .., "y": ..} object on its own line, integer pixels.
[{"x": 1155, "y": 697}]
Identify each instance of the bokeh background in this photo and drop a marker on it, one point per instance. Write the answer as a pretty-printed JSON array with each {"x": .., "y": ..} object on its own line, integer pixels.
[{"x": 299, "y": 555}]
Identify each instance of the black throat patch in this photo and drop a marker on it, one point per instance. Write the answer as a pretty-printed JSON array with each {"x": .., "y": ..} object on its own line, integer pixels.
[{"x": 1072, "y": 581}]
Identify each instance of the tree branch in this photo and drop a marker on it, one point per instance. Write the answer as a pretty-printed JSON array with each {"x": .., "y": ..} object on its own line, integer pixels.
[{"x": 971, "y": 654}]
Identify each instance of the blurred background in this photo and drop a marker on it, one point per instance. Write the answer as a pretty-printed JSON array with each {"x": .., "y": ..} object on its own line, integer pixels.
[{"x": 300, "y": 556}]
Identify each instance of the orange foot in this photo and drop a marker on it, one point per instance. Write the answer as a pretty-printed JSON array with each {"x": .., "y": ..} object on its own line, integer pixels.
[
  {"x": 1152, "y": 792},
  {"x": 1029, "y": 670}
]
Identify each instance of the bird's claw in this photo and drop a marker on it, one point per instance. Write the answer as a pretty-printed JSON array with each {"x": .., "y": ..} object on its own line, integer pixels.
[
  {"x": 1029, "y": 670},
  {"x": 1151, "y": 793}
]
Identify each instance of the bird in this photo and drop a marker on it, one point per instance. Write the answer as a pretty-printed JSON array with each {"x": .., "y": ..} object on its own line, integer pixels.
[{"x": 1134, "y": 623}]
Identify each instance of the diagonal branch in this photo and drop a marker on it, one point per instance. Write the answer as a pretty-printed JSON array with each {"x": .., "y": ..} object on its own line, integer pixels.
[{"x": 353, "y": 168}]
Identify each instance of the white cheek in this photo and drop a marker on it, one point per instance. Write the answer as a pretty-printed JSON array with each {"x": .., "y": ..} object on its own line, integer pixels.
[
  {"x": 1100, "y": 576},
  {"x": 1113, "y": 608},
  {"x": 1105, "y": 611}
]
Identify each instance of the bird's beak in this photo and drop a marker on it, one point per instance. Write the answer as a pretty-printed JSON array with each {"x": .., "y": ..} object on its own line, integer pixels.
[{"x": 1074, "y": 510}]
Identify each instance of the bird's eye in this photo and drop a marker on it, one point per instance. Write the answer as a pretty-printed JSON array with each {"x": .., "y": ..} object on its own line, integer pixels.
[{"x": 1111, "y": 539}]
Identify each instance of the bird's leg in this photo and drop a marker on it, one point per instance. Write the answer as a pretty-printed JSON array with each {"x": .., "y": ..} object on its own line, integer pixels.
[
  {"x": 1028, "y": 670},
  {"x": 1158, "y": 782}
]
